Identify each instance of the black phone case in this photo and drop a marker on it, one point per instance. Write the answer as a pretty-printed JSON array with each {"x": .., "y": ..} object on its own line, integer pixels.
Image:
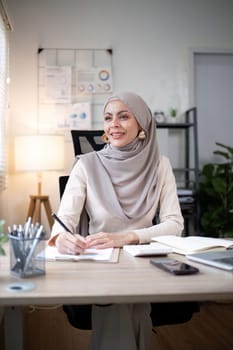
[{"x": 169, "y": 266}]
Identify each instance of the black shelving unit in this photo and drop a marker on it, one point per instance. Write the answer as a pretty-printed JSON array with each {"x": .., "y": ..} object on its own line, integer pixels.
[{"x": 188, "y": 187}]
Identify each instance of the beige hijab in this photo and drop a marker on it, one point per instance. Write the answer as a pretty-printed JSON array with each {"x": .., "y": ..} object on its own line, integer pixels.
[{"x": 125, "y": 178}]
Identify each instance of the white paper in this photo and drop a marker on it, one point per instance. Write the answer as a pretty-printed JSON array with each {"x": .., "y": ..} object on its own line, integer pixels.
[
  {"x": 52, "y": 254},
  {"x": 147, "y": 249},
  {"x": 57, "y": 84},
  {"x": 75, "y": 116},
  {"x": 94, "y": 80}
]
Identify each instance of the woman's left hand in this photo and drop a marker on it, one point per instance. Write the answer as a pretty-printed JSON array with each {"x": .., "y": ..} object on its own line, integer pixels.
[{"x": 103, "y": 240}]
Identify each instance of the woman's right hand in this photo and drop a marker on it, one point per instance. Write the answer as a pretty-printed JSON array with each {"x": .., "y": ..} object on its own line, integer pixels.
[{"x": 67, "y": 243}]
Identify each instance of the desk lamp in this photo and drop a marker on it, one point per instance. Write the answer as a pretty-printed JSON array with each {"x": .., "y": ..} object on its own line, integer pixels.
[{"x": 39, "y": 153}]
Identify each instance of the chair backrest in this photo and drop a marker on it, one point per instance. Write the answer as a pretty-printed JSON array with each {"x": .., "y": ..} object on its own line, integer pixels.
[
  {"x": 85, "y": 141},
  {"x": 62, "y": 184}
]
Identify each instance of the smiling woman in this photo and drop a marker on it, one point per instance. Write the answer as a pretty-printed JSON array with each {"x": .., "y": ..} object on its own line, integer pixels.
[{"x": 120, "y": 188}]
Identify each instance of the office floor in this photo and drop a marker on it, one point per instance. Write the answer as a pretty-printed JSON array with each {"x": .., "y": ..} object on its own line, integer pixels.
[{"x": 210, "y": 329}]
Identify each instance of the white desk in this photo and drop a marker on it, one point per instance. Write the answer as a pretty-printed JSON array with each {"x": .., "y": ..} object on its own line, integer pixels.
[{"x": 129, "y": 280}]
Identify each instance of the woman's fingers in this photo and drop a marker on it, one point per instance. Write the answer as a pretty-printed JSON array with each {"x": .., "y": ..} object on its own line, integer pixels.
[
  {"x": 111, "y": 240},
  {"x": 75, "y": 244},
  {"x": 67, "y": 243},
  {"x": 102, "y": 240}
]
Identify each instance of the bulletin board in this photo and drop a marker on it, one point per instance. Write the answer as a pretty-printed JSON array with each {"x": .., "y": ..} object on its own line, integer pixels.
[{"x": 73, "y": 85}]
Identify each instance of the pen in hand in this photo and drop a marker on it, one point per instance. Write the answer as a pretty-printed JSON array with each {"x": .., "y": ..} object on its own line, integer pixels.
[{"x": 56, "y": 218}]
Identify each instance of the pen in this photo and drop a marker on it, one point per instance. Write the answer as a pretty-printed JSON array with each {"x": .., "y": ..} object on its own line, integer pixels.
[
  {"x": 61, "y": 223},
  {"x": 27, "y": 227},
  {"x": 33, "y": 247}
]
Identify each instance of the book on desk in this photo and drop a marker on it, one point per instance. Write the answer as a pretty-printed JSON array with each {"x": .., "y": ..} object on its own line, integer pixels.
[{"x": 193, "y": 244}]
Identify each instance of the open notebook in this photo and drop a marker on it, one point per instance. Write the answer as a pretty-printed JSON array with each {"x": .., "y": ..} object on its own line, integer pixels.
[
  {"x": 221, "y": 259},
  {"x": 193, "y": 244}
]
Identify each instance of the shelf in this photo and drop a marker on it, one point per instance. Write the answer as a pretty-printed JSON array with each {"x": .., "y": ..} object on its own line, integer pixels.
[
  {"x": 174, "y": 125},
  {"x": 189, "y": 180}
]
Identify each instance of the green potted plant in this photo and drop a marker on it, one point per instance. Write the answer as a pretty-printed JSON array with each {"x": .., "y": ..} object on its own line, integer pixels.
[
  {"x": 173, "y": 114},
  {"x": 3, "y": 237},
  {"x": 216, "y": 195}
]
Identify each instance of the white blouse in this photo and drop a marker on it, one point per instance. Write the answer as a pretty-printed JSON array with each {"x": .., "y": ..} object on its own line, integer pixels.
[{"x": 78, "y": 193}]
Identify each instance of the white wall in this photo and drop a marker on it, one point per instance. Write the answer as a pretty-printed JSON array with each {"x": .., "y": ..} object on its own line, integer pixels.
[{"x": 150, "y": 39}]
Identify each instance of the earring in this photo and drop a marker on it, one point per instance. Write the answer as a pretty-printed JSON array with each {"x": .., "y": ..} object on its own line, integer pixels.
[
  {"x": 104, "y": 138},
  {"x": 141, "y": 135}
]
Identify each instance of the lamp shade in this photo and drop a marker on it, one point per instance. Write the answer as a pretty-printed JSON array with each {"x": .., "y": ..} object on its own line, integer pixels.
[{"x": 39, "y": 153}]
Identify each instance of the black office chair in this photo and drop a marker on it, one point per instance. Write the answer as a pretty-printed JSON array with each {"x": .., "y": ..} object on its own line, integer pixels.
[
  {"x": 79, "y": 316},
  {"x": 86, "y": 140}
]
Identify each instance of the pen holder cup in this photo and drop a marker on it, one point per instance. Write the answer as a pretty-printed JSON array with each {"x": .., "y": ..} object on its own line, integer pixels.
[{"x": 26, "y": 256}]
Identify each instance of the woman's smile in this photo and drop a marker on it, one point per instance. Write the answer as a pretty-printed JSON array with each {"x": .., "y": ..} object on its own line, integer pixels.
[{"x": 117, "y": 135}]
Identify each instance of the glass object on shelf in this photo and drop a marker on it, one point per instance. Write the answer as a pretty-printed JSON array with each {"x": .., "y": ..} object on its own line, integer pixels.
[{"x": 159, "y": 116}]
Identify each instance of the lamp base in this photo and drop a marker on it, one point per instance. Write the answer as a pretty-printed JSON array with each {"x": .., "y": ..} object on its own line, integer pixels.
[{"x": 34, "y": 210}]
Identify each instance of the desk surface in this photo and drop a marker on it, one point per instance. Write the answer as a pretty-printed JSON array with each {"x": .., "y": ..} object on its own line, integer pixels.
[{"x": 129, "y": 280}]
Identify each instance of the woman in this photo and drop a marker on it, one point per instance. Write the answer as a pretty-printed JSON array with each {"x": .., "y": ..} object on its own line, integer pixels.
[{"x": 121, "y": 188}]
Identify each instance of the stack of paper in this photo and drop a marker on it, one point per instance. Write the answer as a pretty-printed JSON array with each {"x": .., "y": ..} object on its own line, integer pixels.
[
  {"x": 147, "y": 249},
  {"x": 52, "y": 254}
]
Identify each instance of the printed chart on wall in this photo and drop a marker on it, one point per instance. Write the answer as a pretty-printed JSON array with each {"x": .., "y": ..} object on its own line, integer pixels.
[{"x": 72, "y": 87}]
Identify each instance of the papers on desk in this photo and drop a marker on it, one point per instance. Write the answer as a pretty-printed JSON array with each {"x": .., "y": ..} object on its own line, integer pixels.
[
  {"x": 193, "y": 244},
  {"x": 102, "y": 255},
  {"x": 147, "y": 249}
]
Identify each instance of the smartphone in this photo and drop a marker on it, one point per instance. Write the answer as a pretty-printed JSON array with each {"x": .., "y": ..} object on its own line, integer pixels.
[{"x": 174, "y": 266}]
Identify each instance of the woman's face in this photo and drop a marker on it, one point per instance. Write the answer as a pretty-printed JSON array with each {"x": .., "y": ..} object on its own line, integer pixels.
[{"x": 120, "y": 125}]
